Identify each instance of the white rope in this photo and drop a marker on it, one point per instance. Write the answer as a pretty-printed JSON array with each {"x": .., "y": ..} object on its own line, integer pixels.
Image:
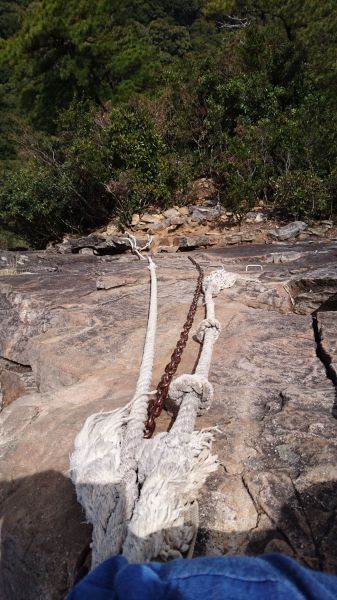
[
  {"x": 138, "y": 413},
  {"x": 134, "y": 247},
  {"x": 173, "y": 466},
  {"x": 102, "y": 466},
  {"x": 210, "y": 329},
  {"x": 140, "y": 494}
]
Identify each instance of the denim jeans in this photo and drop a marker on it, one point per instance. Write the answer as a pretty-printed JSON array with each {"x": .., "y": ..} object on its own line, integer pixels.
[{"x": 269, "y": 577}]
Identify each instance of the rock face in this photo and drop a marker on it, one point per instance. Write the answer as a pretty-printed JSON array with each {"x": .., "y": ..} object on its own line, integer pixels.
[
  {"x": 71, "y": 336},
  {"x": 15, "y": 381}
]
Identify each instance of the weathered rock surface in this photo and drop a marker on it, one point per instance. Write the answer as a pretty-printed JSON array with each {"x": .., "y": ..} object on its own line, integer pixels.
[
  {"x": 289, "y": 231},
  {"x": 171, "y": 213},
  {"x": 312, "y": 290},
  {"x": 75, "y": 325},
  {"x": 15, "y": 381},
  {"x": 200, "y": 213},
  {"x": 256, "y": 217},
  {"x": 195, "y": 241}
]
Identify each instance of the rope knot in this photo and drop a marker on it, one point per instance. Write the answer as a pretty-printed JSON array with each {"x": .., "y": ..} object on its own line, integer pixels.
[
  {"x": 191, "y": 384},
  {"x": 207, "y": 324},
  {"x": 218, "y": 280}
]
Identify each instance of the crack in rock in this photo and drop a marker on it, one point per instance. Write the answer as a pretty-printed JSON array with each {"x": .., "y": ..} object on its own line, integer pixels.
[{"x": 325, "y": 358}]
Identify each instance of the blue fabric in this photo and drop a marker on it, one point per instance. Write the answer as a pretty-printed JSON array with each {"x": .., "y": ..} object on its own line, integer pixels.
[{"x": 270, "y": 577}]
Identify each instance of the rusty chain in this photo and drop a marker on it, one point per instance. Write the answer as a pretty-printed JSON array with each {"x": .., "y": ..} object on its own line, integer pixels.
[{"x": 156, "y": 405}]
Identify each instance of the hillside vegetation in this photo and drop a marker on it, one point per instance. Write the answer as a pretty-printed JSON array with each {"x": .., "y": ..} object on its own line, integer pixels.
[{"x": 110, "y": 106}]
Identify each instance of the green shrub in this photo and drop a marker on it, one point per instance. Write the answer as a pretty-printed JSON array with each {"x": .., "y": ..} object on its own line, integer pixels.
[
  {"x": 301, "y": 195},
  {"x": 96, "y": 166},
  {"x": 137, "y": 162},
  {"x": 34, "y": 204},
  {"x": 10, "y": 241},
  {"x": 165, "y": 98}
]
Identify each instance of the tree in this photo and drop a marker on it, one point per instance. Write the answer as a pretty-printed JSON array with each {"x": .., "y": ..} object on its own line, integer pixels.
[{"x": 123, "y": 106}]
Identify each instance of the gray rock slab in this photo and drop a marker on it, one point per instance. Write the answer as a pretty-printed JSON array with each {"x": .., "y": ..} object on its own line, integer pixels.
[{"x": 288, "y": 231}]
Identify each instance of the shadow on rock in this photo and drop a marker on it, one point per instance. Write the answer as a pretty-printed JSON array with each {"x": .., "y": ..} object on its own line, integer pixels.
[
  {"x": 43, "y": 534},
  {"x": 330, "y": 305}
]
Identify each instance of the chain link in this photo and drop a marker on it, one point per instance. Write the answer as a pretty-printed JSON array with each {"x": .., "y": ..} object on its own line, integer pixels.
[{"x": 156, "y": 405}]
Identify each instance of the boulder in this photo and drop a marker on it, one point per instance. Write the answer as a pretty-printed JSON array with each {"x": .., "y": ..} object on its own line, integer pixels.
[
  {"x": 171, "y": 213},
  {"x": 64, "y": 247},
  {"x": 232, "y": 238},
  {"x": 255, "y": 217},
  {"x": 319, "y": 230},
  {"x": 194, "y": 241},
  {"x": 157, "y": 227},
  {"x": 201, "y": 213},
  {"x": 87, "y": 251},
  {"x": 183, "y": 210},
  {"x": 147, "y": 218},
  {"x": 177, "y": 221},
  {"x": 328, "y": 223},
  {"x": 288, "y": 231}
]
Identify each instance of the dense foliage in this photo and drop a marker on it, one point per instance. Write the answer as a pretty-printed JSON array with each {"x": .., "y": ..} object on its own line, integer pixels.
[{"x": 108, "y": 107}]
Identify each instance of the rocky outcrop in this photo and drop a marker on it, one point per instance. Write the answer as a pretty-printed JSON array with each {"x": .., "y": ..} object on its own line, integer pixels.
[
  {"x": 98, "y": 244},
  {"x": 186, "y": 227},
  {"x": 73, "y": 325},
  {"x": 288, "y": 231}
]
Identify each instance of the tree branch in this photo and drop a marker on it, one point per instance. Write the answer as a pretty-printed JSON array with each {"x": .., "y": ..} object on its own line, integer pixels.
[{"x": 229, "y": 22}]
